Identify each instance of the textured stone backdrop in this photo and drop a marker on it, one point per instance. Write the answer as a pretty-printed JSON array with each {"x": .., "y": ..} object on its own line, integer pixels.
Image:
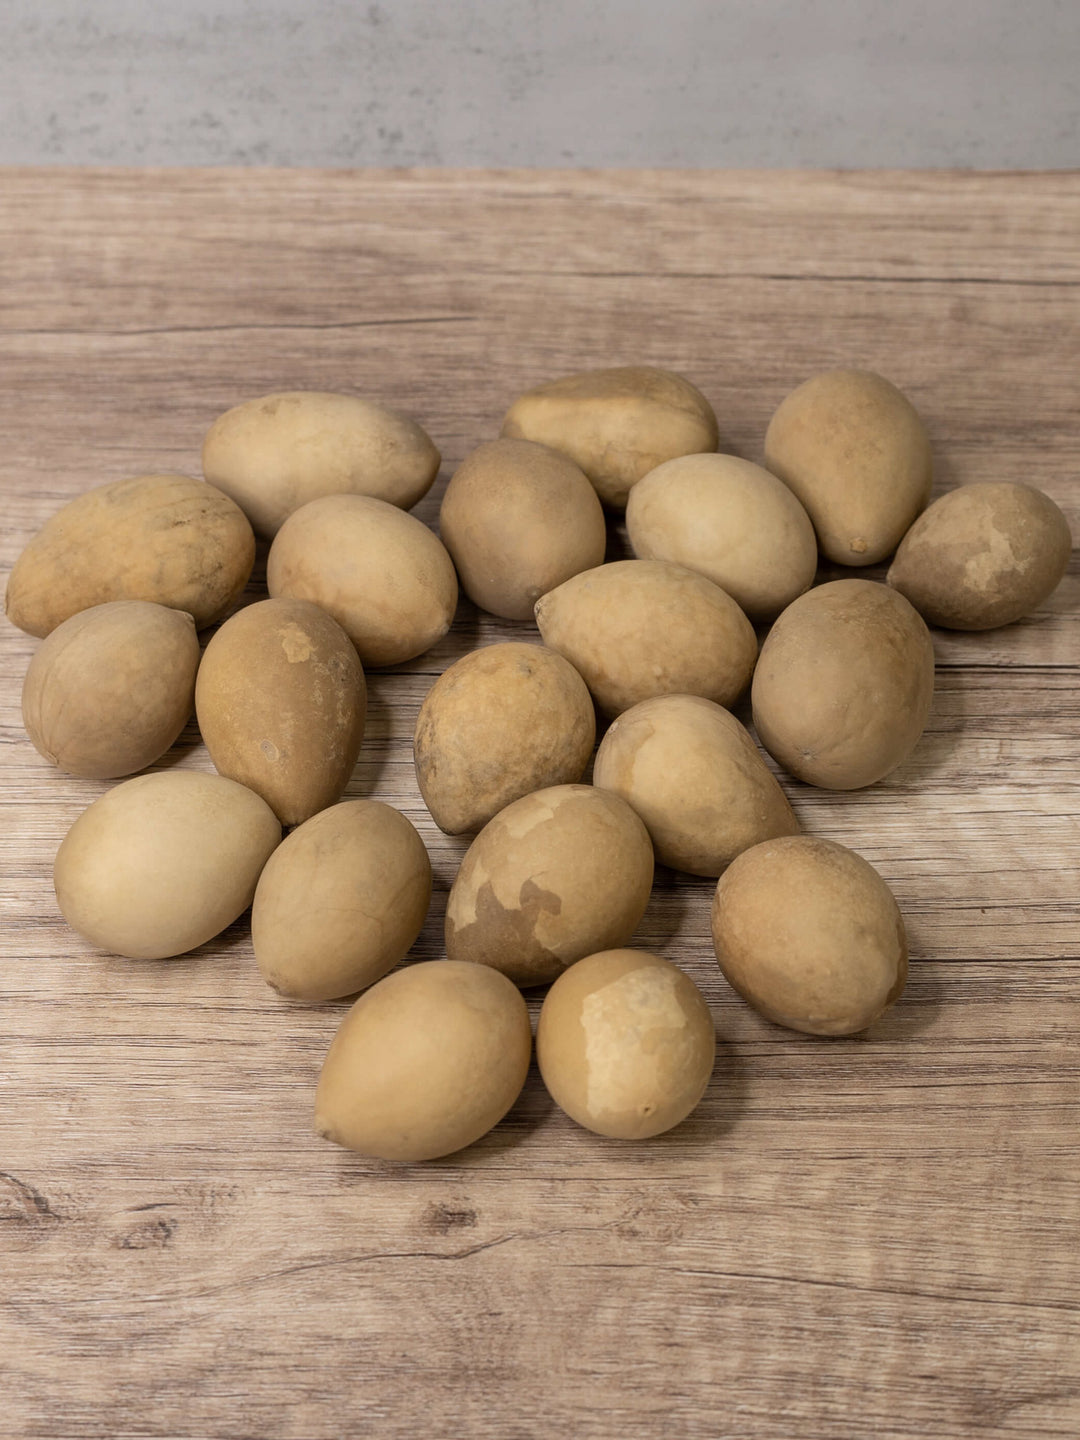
[{"x": 987, "y": 83}]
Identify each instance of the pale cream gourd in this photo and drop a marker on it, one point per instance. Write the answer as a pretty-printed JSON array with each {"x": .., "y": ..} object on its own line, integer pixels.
[
  {"x": 164, "y": 862},
  {"x": 381, "y": 573},
  {"x": 277, "y": 452},
  {"x": 730, "y": 520},
  {"x": 617, "y": 424},
  {"x": 695, "y": 777},
  {"x": 636, "y": 629}
]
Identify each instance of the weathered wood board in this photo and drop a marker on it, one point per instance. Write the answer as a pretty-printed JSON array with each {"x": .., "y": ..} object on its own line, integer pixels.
[{"x": 869, "y": 1237}]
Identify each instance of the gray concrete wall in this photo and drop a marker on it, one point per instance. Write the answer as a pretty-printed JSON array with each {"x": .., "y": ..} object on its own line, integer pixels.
[{"x": 986, "y": 83}]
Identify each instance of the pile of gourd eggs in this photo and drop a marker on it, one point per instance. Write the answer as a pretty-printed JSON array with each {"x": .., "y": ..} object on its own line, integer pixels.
[{"x": 551, "y": 890}]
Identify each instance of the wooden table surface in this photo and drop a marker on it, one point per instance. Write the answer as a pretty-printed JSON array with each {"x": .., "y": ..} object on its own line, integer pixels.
[{"x": 869, "y": 1237}]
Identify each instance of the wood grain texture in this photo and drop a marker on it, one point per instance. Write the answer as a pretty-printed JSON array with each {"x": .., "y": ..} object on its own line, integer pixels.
[{"x": 868, "y": 1237}]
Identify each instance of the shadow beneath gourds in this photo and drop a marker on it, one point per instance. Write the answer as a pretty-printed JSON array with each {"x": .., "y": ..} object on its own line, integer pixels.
[
  {"x": 186, "y": 743},
  {"x": 430, "y": 944},
  {"x": 935, "y": 752},
  {"x": 235, "y": 937},
  {"x": 917, "y": 1009},
  {"x": 256, "y": 588},
  {"x": 463, "y": 637},
  {"x": 377, "y": 745},
  {"x": 666, "y": 911},
  {"x": 529, "y": 1112},
  {"x": 721, "y": 1107},
  {"x": 618, "y": 541}
]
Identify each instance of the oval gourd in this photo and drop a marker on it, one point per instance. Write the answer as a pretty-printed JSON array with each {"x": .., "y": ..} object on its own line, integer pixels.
[
  {"x": 163, "y": 538},
  {"x": 164, "y": 862},
  {"x": 853, "y": 449},
  {"x": 281, "y": 700},
  {"x": 340, "y": 901},
  {"x": 558, "y": 874},
  {"x": 983, "y": 556},
  {"x": 731, "y": 521},
  {"x": 499, "y": 723},
  {"x": 111, "y": 688},
  {"x": 277, "y": 452},
  {"x": 381, "y": 573},
  {"x": 843, "y": 684},
  {"x": 635, "y": 629},
  {"x": 809, "y": 934},
  {"x": 616, "y": 424},
  {"x": 425, "y": 1062},
  {"x": 695, "y": 777},
  {"x": 625, "y": 1044},
  {"x": 518, "y": 519}
]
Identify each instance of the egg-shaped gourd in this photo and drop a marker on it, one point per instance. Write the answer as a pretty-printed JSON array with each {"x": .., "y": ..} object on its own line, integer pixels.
[
  {"x": 556, "y": 875},
  {"x": 616, "y": 424},
  {"x": 164, "y": 862},
  {"x": 276, "y": 452},
  {"x": 625, "y": 1044},
  {"x": 499, "y": 723},
  {"x": 983, "y": 556},
  {"x": 426, "y": 1062},
  {"x": 809, "y": 933},
  {"x": 639, "y": 628},
  {"x": 164, "y": 538},
  {"x": 695, "y": 777},
  {"x": 380, "y": 572},
  {"x": 843, "y": 684},
  {"x": 518, "y": 519},
  {"x": 340, "y": 901},
  {"x": 281, "y": 700},
  {"x": 111, "y": 688},
  {"x": 730, "y": 520},
  {"x": 853, "y": 449}
]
